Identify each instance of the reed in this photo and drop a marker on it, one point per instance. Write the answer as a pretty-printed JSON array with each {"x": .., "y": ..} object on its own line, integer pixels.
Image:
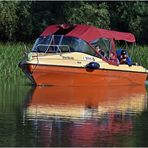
[
  {"x": 10, "y": 56},
  {"x": 139, "y": 54},
  {"x": 12, "y": 53}
]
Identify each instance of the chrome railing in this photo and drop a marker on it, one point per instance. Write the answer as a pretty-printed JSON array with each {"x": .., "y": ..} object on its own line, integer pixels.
[{"x": 53, "y": 48}]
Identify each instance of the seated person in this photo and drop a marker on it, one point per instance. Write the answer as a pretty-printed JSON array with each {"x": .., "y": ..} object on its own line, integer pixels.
[
  {"x": 100, "y": 51},
  {"x": 113, "y": 58},
  {"x": 123, "y": 57}
]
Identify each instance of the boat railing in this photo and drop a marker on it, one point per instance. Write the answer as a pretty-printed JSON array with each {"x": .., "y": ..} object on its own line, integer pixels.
[{"x": 52, "y": 48}]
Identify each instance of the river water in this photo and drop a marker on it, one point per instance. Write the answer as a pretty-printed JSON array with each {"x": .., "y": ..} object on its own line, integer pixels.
[{"x": 73, "y": 116}]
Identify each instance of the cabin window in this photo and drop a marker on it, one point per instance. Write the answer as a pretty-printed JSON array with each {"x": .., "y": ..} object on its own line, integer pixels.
[{"x": 78, "y": 45}]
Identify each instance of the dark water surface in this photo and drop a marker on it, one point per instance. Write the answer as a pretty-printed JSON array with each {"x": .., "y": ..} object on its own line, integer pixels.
[{"x": 73, "y": 116}]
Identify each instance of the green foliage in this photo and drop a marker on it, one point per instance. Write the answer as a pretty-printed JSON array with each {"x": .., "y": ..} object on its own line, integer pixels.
[
  {"x": 130, "y": 16},
  {"x": 24, "y": 24},
  {"x": 87, "y": 13},
  {"x": 138, "y": 18},
  {"x": 46, "y": 13},
  {"x": 8, "y": 19}
]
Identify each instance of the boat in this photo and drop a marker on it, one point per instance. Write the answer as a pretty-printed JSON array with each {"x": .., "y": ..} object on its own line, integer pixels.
[{"x": 69, "y": 55}]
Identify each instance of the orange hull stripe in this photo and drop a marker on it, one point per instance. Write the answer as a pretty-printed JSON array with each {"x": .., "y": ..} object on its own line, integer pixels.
[{"x": 57, "y": 75}]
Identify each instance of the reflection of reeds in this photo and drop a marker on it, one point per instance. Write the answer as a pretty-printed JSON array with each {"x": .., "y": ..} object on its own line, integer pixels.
[
  {"x": 13, "y": 95},
  {"x": 12, "y": 53}
]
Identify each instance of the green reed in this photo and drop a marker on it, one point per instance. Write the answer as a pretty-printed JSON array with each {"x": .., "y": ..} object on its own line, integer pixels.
[
  {"x": 10, "y": 56},
  {"x": 139, "y": 54},
  {"x": 12, "y": 53}
]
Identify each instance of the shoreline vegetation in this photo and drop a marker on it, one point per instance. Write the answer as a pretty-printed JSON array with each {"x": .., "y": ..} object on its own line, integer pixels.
[{"x": 12, "y": 53}]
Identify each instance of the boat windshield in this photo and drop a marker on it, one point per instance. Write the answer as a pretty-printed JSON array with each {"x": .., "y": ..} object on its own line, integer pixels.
[
  {"x": 60, "y": 43},
  {"x": 104, "y": 44}
]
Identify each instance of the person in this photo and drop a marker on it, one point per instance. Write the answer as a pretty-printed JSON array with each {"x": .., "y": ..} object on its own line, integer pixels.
[
  {"x": 113, "y": 58},
  {"x": 100, "y": 51},
  {"x": 124, "y": 58}
]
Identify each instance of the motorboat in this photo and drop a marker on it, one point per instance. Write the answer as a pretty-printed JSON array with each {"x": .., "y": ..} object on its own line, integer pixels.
[{"x": 80, "y": 55}]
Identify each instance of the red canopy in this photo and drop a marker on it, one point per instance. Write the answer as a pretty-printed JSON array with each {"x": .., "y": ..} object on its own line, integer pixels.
[
  {"x": 89, "y": 33},
  {"x": 129, "y": 37},
  {"x": 50, "y": 30}
]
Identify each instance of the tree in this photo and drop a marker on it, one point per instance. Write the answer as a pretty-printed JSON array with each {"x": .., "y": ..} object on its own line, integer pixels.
[
  {"x": 130, "y": 16},
  {"x": 46, "y": 13},
  {"x": 8, "y": 19},
  {"x": 24, "y": 22},
  {"x": 91, "y": 13},
  {"x": 139, "y": 23}
]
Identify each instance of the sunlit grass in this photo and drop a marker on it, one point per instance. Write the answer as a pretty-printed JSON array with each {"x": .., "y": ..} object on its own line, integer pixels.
[
  {"x": 139, "y": 54},
  {"x": 10, "y": 56}
]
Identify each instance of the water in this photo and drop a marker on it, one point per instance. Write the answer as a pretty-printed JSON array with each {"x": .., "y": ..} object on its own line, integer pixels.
[{"x": 73, "y": 116}]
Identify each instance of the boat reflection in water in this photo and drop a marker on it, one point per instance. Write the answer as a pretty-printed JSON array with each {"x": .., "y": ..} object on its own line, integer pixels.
[{"x": 85, "y": 116}]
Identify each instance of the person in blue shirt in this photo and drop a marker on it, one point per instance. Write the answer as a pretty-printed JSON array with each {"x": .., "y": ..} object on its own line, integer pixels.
[{"x": 123, "y": 57}]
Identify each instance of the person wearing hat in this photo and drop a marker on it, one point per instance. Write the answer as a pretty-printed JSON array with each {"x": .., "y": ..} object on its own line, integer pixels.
[{"x": 124, "y": 59}]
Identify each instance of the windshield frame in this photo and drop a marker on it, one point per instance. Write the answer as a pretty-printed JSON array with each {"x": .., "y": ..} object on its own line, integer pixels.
[{"x": 72, "y": 44}]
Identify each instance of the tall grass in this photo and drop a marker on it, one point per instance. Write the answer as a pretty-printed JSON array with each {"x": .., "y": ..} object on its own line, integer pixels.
[
  {"x": 12, "y": 53},
  {"x": 10, "y": 56},
  {"x": 139, "y": 54}
]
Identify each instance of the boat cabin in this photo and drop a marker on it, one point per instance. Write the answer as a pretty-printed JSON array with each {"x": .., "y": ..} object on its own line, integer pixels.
[{"x": 81, "y": 38}]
